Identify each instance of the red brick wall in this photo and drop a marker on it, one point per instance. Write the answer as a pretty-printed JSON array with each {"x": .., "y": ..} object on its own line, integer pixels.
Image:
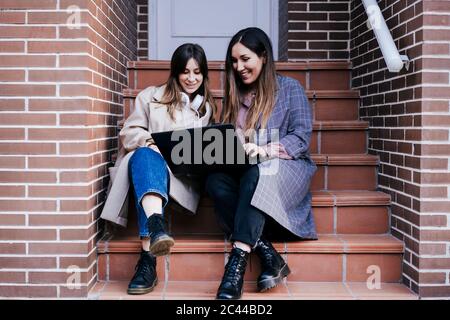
[
  {"x": 60, "y": 99},
  {"x": 409, "y": 119},
  {"x": 318, "y": 30},
  {"x": 142, "y": 12}
]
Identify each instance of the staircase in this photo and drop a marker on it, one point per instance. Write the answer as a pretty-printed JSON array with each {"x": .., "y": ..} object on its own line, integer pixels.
[{"x": 352, "y": 218}]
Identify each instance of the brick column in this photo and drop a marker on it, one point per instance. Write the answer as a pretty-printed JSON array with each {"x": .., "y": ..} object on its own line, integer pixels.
[
  {"x": 318, "y": 30},
  {"x": 409, "y": 119},
  {"x": 142, "y": 12},
  {"x": 283, "y": 30},
  {"x": 62, "y": 71}
]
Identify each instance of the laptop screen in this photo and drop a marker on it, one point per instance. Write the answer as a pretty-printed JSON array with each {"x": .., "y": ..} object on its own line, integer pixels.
[{"x": 204, "y": 149}]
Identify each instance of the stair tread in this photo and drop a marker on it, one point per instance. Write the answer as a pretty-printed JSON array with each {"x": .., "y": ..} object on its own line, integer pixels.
[
  {"x": 220, "y": 65},
  {"x": 322, "y": 125},
  {"x": 335, "y": 94},
  {"x": 341, "y": 125},
  {"x": 327, "y": 198},
  {"x": 166, "y": 290},
  {"x": 359, "y": 197},
  {"x": 327, "y": 243},
  {"x": 345, "y": 159}
]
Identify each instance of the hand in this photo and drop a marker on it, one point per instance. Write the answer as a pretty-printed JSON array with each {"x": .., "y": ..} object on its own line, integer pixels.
[
  {"x": 252, "y": 150},
  {"x": 273, "y": 150}
]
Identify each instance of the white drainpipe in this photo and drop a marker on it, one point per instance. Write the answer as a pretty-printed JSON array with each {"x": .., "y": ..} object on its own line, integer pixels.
[{"x": 394, "y": 60}]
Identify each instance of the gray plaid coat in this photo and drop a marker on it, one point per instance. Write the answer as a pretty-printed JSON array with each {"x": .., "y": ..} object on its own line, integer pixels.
[{"x": 283, "y": 187}]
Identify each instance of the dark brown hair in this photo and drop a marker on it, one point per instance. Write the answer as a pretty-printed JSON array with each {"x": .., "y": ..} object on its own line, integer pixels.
[{"x": 172, "y": 94}]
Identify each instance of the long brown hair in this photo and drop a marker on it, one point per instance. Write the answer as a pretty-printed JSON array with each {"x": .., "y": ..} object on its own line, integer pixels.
[
  {"x": 172, "y": 94},
  {"x": 257, "y": 41}
]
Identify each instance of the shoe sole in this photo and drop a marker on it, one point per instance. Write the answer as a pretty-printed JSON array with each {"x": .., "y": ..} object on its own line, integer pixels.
[
  {"x": 161, "y": 247},
  {"x": 219, "y": 296},
  {"x": 272, "y": 283},
  {"x": 135, "y": 291}
]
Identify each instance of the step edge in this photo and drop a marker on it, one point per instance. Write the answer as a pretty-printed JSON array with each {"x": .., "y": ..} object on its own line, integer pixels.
[
  {"x": 339, "y": 125},
  {"x": 318, "y": 126},
  {"x": 218, "y": 93},
  {"x": 387, "y": 245},
  {"x": 220, "y": 65}
]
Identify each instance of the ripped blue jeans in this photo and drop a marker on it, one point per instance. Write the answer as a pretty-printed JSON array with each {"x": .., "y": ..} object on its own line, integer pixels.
[{"x": 148, "y": 173}]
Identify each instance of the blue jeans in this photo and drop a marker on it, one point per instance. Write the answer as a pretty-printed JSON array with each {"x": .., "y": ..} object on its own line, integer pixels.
[{"x": 148, "y": 173}]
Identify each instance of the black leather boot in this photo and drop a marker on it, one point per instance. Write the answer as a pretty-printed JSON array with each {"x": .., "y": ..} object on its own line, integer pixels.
[
  {"x": 144, "y": 279},
  {"x": 160, "y": 241},
  {"x": 233, "y": 278},
  {"x": 273, "y": 267}
]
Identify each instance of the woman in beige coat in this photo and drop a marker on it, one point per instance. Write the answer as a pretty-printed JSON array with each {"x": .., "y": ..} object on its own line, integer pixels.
[{"x": 184, "y": 101}]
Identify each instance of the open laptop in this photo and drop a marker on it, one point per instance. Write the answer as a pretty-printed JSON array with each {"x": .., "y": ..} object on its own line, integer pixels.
[{"x": 202, "y": 150}]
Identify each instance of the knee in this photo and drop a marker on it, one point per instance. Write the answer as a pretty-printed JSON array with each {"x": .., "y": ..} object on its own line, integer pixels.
[
  {"x": 146, "y": 156},
  {"x": 141, "y": 153},
  {"x": 145, "y": 153}
]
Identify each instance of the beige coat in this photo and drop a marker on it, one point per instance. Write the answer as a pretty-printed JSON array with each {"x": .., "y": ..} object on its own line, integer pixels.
[{"x": 150, "y": 116}]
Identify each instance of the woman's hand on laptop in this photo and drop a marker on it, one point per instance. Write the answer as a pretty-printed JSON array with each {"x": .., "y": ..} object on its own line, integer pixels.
[{"x": 252, "y": 150}]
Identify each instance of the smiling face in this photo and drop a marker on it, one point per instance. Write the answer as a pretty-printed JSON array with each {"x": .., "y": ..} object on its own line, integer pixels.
[
  {"x": 247, "y": 64},
  {"x": 191, "y": 78}
]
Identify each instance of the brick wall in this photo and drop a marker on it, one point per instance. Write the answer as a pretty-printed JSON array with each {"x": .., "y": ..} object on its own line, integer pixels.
[
  {"x": 409, "y": 119},
  {"x": 60, "y": 99},
  {"x": 142, "y": 12},
  {"x": 283, "y": 30},
  {"x": 319, "y": 30}
]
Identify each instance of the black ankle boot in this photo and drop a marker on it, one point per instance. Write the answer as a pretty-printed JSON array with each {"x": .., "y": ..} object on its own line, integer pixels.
[
  {"x": 233, "y": 278},
  {"x": 273, "y": 267},
  {"x": 144, "y": 279},
  {"x": 160, "y": 241}
]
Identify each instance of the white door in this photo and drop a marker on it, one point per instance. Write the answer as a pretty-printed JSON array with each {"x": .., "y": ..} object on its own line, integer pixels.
[{"x": 210, "y": 23}]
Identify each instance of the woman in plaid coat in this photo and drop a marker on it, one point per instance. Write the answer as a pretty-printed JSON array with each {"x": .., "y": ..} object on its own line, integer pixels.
[{"x": 271, "y": 199}]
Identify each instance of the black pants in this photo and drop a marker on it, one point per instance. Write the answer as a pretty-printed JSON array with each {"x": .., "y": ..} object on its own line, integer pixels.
[{"x": 232, "y": 194}]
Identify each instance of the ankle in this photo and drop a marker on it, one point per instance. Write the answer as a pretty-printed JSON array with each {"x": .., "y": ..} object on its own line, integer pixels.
[
  {"x": 155, "y": 223},
  {"x": 145, "y": 244},
  {"x": 243, "y": 246},
  {"x": 154, "y": 215}
]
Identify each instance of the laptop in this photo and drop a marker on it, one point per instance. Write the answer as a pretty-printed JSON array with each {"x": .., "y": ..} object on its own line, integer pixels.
[{"x": 202, "y": 150}]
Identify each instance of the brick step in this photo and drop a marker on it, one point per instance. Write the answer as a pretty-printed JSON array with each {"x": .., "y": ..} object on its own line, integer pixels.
[
  {"x": 332, "y": 137},
  {"x": 332, "y": 258},
  {"x": 335, "y": 212},
  {"x": 312, "y": 75},
  {"x": 343, "y": 172},
  {"x": 288, "y": 290},
  {"x": 327, "y": 105}
]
